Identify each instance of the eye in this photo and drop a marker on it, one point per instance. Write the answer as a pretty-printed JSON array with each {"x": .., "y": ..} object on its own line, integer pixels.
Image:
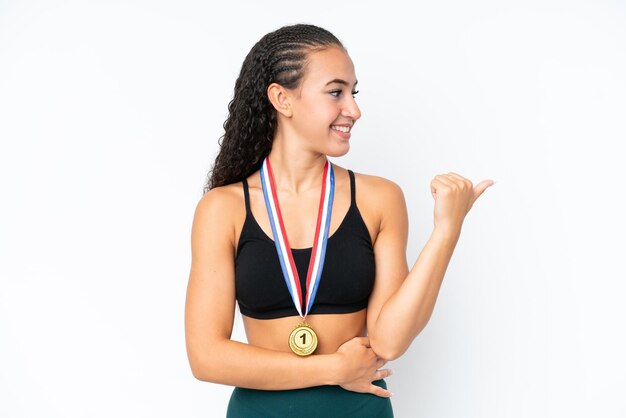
[{"x": 337, "y": 93}]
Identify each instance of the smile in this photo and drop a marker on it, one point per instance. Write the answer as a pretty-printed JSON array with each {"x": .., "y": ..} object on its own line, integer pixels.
[{"x": 341, "y": 128}]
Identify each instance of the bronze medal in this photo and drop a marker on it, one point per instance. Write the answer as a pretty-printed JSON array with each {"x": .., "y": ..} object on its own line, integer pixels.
[{"x": 303, "y": 340}]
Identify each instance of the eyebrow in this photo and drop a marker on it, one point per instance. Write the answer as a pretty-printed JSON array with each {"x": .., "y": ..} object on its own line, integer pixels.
[{"x": 340, "y": 81}]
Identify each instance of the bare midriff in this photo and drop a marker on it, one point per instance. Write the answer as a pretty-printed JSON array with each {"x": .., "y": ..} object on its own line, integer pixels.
[{"x": 332, "y": 330}]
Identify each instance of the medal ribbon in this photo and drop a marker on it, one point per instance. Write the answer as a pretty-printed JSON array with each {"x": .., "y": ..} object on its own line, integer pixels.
[{"x": 283, "y": 249}]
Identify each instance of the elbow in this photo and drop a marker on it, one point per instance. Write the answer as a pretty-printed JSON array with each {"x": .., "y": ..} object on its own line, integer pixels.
[
  {"x": 200, "y": 371},
  {"x": 208, "y": 360},
  {"x": 392, "y": 344},
  {"x": 386, "y": 350},
  {"x": 203, "y": 369},
  {"x": 390, "y": 354}
]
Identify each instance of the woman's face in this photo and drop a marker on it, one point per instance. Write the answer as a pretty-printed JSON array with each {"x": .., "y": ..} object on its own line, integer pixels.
[{"x": 324, "y": 109}]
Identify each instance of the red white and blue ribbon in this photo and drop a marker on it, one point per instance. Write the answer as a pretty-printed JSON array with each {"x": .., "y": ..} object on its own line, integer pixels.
[{"x": 283, "y": 249}]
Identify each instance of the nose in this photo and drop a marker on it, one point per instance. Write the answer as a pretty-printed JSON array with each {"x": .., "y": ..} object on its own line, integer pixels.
[{"x": 351, "y": 109}]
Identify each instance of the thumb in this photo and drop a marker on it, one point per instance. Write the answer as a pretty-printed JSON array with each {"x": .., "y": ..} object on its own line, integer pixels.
[{"x": 481, "y": 187}]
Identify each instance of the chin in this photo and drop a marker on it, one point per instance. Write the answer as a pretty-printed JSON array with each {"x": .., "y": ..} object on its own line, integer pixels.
[{"x": 338, "y": 151}]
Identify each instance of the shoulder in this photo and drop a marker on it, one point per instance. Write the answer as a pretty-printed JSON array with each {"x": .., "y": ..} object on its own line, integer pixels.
[
  {"x": 381, "y": 203},
  {"x": 221, "y": 198},
  {"x": 218, "y": 210},
  {"x": 381, "y": 191}
]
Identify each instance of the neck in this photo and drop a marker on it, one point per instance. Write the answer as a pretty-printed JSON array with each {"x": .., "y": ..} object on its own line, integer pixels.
[{"x": 295, "y": 170}]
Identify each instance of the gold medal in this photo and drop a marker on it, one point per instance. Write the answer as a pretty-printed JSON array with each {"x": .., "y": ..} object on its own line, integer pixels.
[{"x": 303, "y": 340}]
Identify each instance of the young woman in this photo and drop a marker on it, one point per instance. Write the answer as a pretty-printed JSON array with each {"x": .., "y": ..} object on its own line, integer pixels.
[{"x": 314, "y": 254}]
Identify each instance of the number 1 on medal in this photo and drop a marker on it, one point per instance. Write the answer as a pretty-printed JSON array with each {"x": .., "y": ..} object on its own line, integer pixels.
[{"x": 303, "y": 340}]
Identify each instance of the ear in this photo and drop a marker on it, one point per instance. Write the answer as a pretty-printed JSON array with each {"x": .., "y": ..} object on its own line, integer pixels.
[{"x": 280, "y": 99}]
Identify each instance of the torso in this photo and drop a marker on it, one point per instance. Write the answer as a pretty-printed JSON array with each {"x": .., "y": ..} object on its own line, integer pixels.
[{"x": 332, "y": 329}]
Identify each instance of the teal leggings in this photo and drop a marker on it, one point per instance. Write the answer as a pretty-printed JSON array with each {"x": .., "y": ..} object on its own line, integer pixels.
[{"x": 313, "y": 402}]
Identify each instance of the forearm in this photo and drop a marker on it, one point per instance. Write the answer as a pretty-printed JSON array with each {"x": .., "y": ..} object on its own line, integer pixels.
[
  {"x": 238, "y": 364},
  {"x": 405, "y": 314}
]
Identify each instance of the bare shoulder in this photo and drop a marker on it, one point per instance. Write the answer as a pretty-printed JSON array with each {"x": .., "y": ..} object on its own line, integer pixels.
[
  {"x": 380, "y": 201},
  {"x": 219, "y": 210},
  {"x": 378, "y": 191},
  {"x": 223, "y": 197}
]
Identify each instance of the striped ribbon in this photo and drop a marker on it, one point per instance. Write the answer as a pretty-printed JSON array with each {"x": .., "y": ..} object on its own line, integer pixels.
[{"x": 283, "y": 249}]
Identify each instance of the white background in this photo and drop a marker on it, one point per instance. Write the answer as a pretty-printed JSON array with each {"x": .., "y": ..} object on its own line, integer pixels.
[{"x": 109, "y": 118}]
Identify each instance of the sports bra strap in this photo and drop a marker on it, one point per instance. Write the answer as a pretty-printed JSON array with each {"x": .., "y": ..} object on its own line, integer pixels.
[
  {"x": 246, "y": 195},
  {"x": 352, "y": 188}
]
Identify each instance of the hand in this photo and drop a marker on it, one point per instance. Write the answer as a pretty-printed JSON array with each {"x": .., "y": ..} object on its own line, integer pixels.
[
  {"x": 359, "y": 367},
  {"x": 454, "y": 197}
]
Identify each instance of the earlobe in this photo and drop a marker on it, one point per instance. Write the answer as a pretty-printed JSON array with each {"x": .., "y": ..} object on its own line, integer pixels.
[{"x": 279, "y": 98}]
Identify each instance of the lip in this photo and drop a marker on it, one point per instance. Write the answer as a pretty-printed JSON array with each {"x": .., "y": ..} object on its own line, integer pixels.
[{"x": 342, "y": 135}]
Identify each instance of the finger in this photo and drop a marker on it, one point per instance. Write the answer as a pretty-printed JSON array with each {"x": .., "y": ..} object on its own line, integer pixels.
[
  {"x": 461, "y": 179},
  {"x": 443, "y": 178},
  {"x": 452, "y": 173},
  {"x": 438, "y": 183},
  {"x": 381, "y": 374},
  {"x": 380, "y": 362},
  {"x": 481, "y": 187},
  {"x": 378, "y": 391}
]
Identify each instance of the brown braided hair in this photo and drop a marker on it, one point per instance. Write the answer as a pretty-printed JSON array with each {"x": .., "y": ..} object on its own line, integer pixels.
[{"x": 278, "y": 57}]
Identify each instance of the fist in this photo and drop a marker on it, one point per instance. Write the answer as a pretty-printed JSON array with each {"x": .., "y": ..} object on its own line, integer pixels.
[{"x": 454, "y": 196}]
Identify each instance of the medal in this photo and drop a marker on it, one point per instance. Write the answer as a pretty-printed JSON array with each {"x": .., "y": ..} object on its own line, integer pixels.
[{"x": 302, "y": 340}]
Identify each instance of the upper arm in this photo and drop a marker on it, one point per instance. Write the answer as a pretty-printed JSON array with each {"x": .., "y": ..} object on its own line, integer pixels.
[
  {"x": 210, "y": 301},
  {"x": 389, "y": 246}
]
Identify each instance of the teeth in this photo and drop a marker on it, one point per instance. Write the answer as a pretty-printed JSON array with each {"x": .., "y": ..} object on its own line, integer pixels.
[{"x": 341, "y": 128}]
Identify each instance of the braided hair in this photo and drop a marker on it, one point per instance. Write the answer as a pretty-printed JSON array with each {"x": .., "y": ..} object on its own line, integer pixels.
[{"x": 278, "y": 57}]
